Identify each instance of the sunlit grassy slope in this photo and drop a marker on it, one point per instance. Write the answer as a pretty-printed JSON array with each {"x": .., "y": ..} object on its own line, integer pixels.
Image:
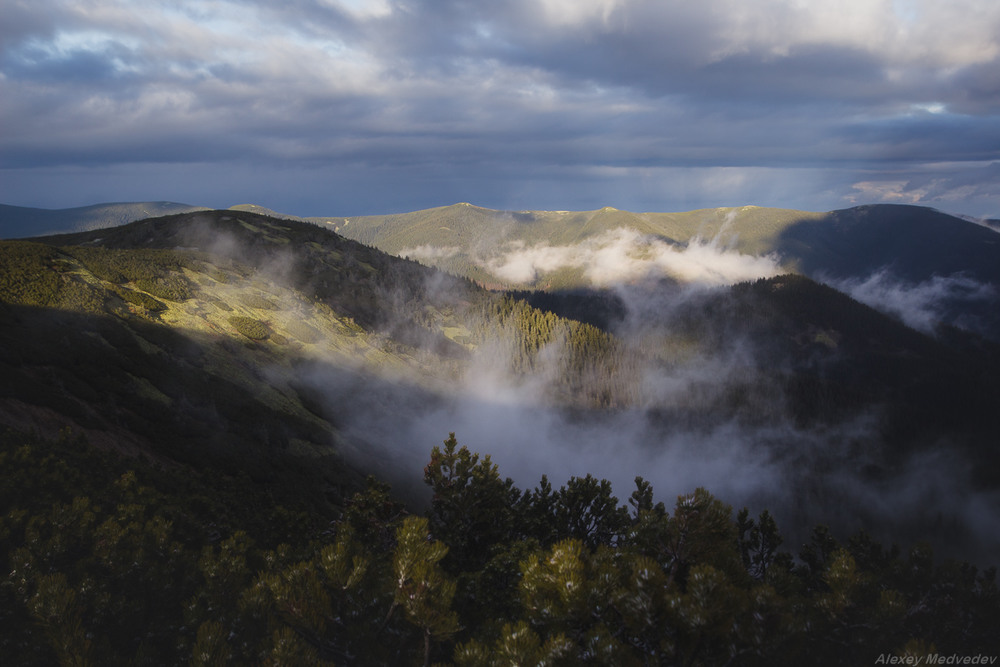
[
  {"x": 915, "y": 242},
  {"x": 466, "y": 234},
  {"x": 190, "y": 339},
  {"x": 227, "y": 335},
  {"x": 467, "y": 226}
]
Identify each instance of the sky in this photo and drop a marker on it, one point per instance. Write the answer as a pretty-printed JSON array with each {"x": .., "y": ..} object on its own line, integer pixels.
[{"x": 353, "y": 107}]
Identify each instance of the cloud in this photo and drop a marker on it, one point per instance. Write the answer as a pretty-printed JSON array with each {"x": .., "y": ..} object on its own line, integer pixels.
[
  {"x": 936, "y": 185},
  {"x": 677, "y": 429},
  {"x": 674, "y": 434},
  {"x": 429, "y": 254},
  {"x": 625, "y": 255},
  {"x": 503, "y": 99},
  {"x": 922, "y": 306}
]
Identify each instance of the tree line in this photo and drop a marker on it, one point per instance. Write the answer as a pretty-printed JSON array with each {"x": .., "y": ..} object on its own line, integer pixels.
[{"x": 119, "y": 561}]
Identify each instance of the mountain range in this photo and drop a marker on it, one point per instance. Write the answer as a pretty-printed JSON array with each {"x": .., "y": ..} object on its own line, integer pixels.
[
  {"x": 841, "y": 243},
  {"x": 200, "y": 319},
  {"x": 915, "y": 263},
  {"x": 838, "y": 367}
]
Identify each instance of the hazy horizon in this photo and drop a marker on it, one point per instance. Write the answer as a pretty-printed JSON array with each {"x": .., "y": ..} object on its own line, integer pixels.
[{"x": 985, "y": 221}]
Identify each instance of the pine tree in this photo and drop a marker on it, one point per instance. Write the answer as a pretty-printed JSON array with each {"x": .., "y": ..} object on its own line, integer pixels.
[
  {"x": 423, "y": 590},
  {"x": 472, "y": 508}
]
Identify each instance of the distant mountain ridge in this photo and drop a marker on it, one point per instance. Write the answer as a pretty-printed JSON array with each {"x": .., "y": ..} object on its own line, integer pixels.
[
  {"x": 22, "y": 221},
  {"x": 881, "y": 252},
  {"x": 25, "y": 221},
  {"x": 378, "y": 309},
  {"x": 462, "y": 238},
  {"x": 894, "y": 257},
  {"x": 919, "y": 242}
]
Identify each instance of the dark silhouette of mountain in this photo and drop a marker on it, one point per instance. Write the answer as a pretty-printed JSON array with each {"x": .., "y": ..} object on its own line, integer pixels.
[{"x": 914, "y": 242}]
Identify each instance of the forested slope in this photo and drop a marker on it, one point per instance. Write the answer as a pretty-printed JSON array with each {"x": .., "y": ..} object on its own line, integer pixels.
[
  {"x": 114, "y": 561},
  {"x": 191, "y": 405}
]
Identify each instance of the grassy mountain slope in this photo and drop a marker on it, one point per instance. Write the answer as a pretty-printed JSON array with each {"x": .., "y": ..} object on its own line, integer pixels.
[
  {"x": 459, "y": 238},
  {"x": 214, "y": 308},
  {"x": 471, "y": 227},
  {"x": 915, "y": 242},
  {"x": 243, "y": 340},
  {"x": 154, "y": 353}
]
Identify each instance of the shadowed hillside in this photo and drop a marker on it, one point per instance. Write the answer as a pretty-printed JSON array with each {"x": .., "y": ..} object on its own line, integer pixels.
[
  {"x": 915, "y": 243},
  {"x": 337, "y": 335},
  {"x": 221, "y": 335},
  {"x": 190, "y": 405}
]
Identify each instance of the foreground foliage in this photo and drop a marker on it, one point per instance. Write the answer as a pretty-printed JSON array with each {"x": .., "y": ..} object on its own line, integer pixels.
[{"x": 114, "y": 560}]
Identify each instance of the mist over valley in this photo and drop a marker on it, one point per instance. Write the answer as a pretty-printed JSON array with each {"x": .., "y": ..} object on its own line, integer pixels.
[
  {"x": 702, "y": 367},
  {"x": 740, "y": 351}
]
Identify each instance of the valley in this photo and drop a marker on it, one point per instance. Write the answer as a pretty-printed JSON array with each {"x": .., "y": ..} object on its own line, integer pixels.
[{"x": 278, "y": 364}]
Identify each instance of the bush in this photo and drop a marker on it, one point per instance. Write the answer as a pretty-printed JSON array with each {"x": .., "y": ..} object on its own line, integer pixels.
[
  {"x": 219, "y": 303},
  {"x": 249, "y": 327},
  {"x": 27, "y": 277},
  {"x": 172, "y": 288},
  {"x": 140, "y": 299}
]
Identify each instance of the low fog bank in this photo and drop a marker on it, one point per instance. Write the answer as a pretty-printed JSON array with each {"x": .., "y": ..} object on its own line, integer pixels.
[
  {"x": 836, "y": 474},
  {"x": 625, "y": 255},
  {"x": 672, "y": 432},
  {"x": 831, "y": 475},
  {"x": 956, "y": 300}
]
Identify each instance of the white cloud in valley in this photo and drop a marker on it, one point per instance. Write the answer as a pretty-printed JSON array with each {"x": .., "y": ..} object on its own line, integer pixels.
[
  {"x": 923, "y": 305},
  {"x": 429, "y": 254},
  {"x": 625, "y": 255}
]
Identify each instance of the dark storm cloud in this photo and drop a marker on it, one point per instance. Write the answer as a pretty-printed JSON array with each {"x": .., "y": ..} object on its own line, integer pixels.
[
  {"x": 601, "y": 101},
  {"x": 927, "y": 136},
  {"x": 976, "y": 89}
]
